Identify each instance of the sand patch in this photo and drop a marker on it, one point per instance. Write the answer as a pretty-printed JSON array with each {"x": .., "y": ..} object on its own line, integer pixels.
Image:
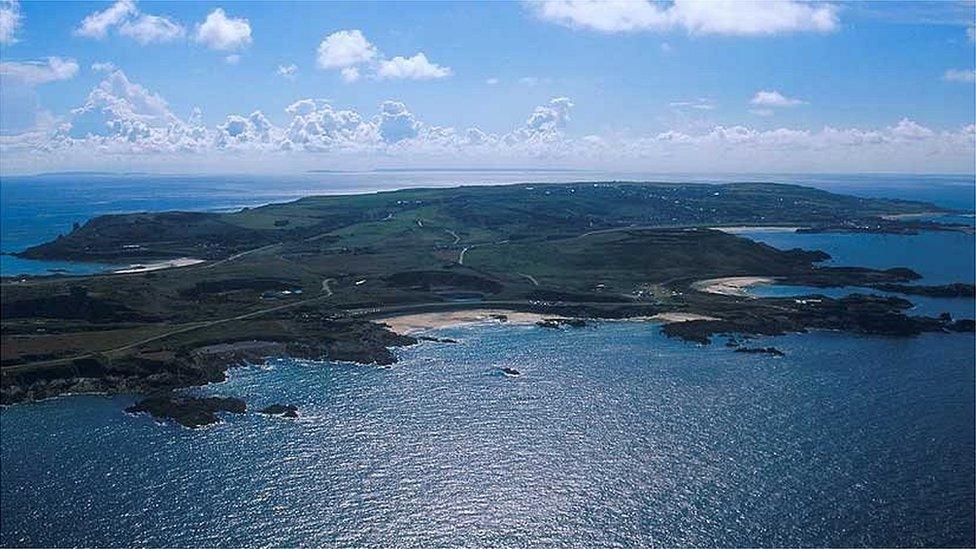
[
  {"x": 420, "y": 322},
  {"x": 412, "y": 324},
  {"x": 159, "y": 265},
  {"x": 733, "y": 285}
]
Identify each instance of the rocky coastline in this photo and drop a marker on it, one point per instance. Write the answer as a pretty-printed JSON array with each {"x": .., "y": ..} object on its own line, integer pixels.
[
  {"x": 957, "y": 289},
  {"x": 314, "y": 279},
  {"x": 857, "y": 313},
  {"x": 155, "y": 372},
  {"x": 191, "y": 412},
  {"x": 160, "y": 375}
]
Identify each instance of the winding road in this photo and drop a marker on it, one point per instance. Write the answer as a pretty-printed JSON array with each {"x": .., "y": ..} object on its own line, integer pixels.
[{"x": 455, "y": 235}]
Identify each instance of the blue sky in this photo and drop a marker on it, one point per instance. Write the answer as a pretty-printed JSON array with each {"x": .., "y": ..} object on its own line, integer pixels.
[{"x": 684, "y": 86}]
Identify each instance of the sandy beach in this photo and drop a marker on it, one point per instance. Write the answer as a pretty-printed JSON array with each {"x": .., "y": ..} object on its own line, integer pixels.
[
  {"x": 158, "y": 265},
  {"x": 419, "y": 322},
  {"x": 734, "y": 285}
]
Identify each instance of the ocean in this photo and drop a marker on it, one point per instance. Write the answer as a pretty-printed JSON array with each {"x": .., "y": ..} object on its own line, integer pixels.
[{"x": 613, "y": 436}]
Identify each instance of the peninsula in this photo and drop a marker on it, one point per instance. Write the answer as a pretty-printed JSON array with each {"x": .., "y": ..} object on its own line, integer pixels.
[{"x": 309, "y": 278}]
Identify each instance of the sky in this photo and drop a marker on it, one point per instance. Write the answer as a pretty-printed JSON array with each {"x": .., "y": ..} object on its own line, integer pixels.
[{"x": 622, "y": 85}]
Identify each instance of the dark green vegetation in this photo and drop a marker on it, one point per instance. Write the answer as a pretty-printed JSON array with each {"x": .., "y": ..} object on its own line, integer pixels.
[
  {"x": 347, "y": 224},
  {"x": 305, "y": 278},
  {"x": 886, "y": 226}
]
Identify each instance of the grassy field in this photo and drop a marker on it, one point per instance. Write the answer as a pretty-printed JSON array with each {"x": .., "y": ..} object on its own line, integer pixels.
[{"x": 468, "y": 215}]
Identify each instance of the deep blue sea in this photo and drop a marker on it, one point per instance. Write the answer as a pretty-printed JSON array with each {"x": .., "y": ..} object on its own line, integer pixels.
[{"x": 613, "y": 436}]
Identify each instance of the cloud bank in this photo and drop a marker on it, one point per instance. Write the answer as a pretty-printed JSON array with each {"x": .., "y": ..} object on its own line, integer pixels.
[{"x": 123, "y": 125}]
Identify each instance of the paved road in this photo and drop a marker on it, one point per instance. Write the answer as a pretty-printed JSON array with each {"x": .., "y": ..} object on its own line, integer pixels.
[
  {"x": 530, "y": 277},
  {"x": 466, "y": 248},
  {"x": 455, "y": 235},
  {"x": 239, "y": 255},
  {"x": 327, "y": 286}
]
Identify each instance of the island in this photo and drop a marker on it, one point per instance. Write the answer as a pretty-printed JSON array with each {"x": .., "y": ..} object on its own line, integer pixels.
[
  {"x": 314, "y": 278},
  {"x": 283, "y": 410},
  {"x": 773, "y": 351}
]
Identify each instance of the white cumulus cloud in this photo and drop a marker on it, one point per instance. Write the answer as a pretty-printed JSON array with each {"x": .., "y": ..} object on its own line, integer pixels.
[
  {"x": 10, "y": 21},
  {"x": 396, "y": 123},
  {"x": 344, "y": 49},
  {"x": 254, "y": 128},
  {"x": 130, "y": 22},
  {"x": 773, "y": 98},
  {"x": 97, "y": 24},
  {"x": 223, "y": 33},
  {"x": 411, "y": 68},
  {"x": 546, "y": 123},
  {"x": 355, "y": 57},
  {"x": 118, "y": 97},
  {"x": 724, "y": 17},
  {"x": 147, "y": 29}
]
